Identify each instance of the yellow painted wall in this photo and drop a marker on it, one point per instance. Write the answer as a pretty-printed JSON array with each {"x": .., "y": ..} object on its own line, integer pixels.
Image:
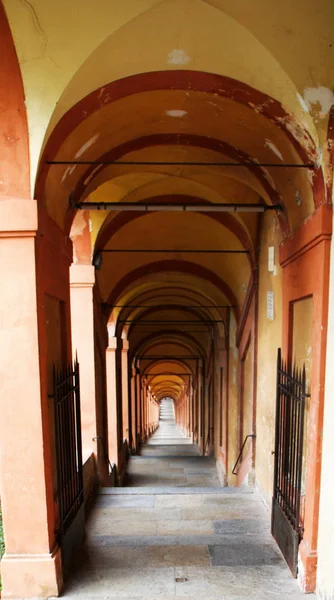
[
  {"x": 233, "y": 441},
  {"x": 247, "y": 408},
  {"x": 257, "y": 43},
  {"x": 269, "y": 340}
]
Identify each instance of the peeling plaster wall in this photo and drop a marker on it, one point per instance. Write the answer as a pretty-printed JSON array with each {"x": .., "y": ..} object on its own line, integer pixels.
[{"x": 269, "y": 340}]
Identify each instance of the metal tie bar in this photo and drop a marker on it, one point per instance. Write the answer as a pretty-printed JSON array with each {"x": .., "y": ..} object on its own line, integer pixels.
[
  {"x": 178, "y": 306},
  {"x": 174, "y": 206},
  {"x": 171, "y": 321},
  {"x": 156, "y": 163},
  {"x": 153, "y": 251},
  {"x": 171, "y": 357}
]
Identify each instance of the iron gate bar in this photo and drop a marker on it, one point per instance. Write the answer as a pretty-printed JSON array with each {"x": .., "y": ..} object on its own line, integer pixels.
[
  {"x": 289, "y": 434},
  {"x": 156, "y": 163},
  {"x": 66, "y": 395}
]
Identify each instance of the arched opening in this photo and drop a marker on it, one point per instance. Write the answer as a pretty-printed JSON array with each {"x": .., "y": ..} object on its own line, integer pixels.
[{"x": 183, "y": 190}]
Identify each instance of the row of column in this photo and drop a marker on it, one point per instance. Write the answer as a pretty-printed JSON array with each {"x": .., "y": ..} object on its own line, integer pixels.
[{"x": 131, "y": 413}]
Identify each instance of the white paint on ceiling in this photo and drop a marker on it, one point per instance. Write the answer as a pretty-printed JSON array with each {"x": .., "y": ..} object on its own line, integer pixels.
[
  {"x": 178, "y": 57},
  {"x": 320, "y": 96},
  {"x": 178, "y": 114},
  {"x": 269, "y": 144}
]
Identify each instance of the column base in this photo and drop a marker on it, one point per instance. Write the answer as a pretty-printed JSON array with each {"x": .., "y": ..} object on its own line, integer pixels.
[
  {"x": 307, "y": 568},
  {"x": 31, "y": 576}
]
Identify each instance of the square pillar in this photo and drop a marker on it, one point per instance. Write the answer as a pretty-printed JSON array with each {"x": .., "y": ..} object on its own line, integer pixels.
[
  {"x": 134, "y": 416},
  {"x": 82, "y": 280},
  {"x": 31, "y": 566},
  {"x": 114, "y": 427},
  {"x": 139, "y": 403},
  {"x": 125, "y": 390}
]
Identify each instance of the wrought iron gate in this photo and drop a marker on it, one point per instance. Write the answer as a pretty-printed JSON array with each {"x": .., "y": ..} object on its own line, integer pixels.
[
  {"x": 286, "y": 524},
  {"x": 68, "y": 444}
]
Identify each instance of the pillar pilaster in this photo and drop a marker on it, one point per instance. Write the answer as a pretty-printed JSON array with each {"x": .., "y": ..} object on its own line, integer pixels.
[
  {"x": 114, "y": 429},
  {"x": 82, "y": 280},
  {"x": 31, "y": 566},
  {"x": 125, "y": 390}
]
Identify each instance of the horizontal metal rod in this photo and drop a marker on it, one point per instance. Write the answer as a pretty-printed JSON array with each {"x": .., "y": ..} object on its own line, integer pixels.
[
  {"x": 174, "y": 206},
  {"x": 153, "y": 251},
  {"x": 173, "y": 306},
  {"x": 158, "y": 374},
  {"x": 166, "y": 331},
  {"x": 170, "y": 357},
  {"x": 170, "y": 321},
  {"x": 171, "y": 163}
]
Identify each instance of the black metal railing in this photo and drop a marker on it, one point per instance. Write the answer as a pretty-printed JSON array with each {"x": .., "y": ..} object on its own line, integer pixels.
[
  {"x": 66, "y": 396},
  {"x": 289, "y": 430},
  {"x": 250, "y": 435}
]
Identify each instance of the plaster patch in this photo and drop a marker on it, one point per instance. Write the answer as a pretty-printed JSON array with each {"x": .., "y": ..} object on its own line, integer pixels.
[
  {"x": 87, "y": 145},
  {"x": 273, "y": 148},
  {"x": 79, "y": 225},
  {"x": 290, "y": 122},
  {"x": 320, "y": 96},
  {"x": 178, "y": 57},
  {"x": 68, "y": 172},
  {"x": 90, "y": 177},
  {"x": 310, "y": 175},
  {"x": 178, "y": 114}
]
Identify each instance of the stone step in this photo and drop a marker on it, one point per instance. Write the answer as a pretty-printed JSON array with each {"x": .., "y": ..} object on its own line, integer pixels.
[{"x": 163, "y": 490}]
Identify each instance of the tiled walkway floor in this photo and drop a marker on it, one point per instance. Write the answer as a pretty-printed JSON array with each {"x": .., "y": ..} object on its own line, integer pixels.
[{"x": 179, "y": 534}]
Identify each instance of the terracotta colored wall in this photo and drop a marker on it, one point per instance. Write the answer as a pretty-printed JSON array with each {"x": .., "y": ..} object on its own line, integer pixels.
[
  {"x": 325, "y": 574},
  {"x": 303, "y": 256},
  {"x": 53, "y": 311},
  {"x": 269, "y": 340}
]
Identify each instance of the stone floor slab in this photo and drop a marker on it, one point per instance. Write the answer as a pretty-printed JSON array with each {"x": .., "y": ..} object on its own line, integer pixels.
[{"x": 178, "y": 535}]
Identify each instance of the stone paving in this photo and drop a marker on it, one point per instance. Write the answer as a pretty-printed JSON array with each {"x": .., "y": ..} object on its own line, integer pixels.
[{"x": 179, "y": 534}]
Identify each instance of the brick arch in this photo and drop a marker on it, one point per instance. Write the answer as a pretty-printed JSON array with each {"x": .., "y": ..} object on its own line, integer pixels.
[
  {"x": 179, "y": 266},
  {"x": 226, "y": 219}
]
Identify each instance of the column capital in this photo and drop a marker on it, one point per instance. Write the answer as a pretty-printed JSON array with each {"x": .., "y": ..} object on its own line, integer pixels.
[
  {"x": 112, "y": 344},
  {"x": 18, "y": 217},
  {"x": 125, "y": 345},
  {"x": 82, "y": 276}
]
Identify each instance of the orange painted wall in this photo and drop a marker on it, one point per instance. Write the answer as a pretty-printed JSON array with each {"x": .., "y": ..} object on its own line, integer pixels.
[{"x": 52, "y": 250}]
